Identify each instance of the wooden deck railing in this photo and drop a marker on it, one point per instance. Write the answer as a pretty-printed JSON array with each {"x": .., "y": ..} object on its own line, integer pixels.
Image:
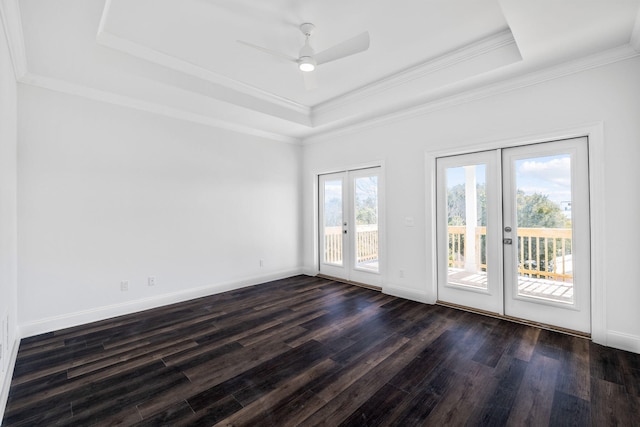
[
  {"x": 366, "y": 244},
  {"x": 543, "y": 253}
]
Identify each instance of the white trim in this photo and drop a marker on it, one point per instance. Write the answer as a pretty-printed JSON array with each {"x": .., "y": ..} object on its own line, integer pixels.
[
  {"x": 151, "y": 107},
  {"x": 597, "y": 191},
  {"x": 481, "y": 47},
  {"x": 477, "y": 92},
  {"x": 431, "y": 226},
  {"x": 406, "y": 293},
  {"x": 6, "y": 383},
  {"x": 100, "y": 313},
  {"x": 623, "y": 341},
  {"x": 595, "y": 133},
  {"x": 12, "y": 22}
]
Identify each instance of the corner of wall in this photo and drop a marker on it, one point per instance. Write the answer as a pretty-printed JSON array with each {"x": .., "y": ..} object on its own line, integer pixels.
[
  {"x": 6, "y": 377},
  {"x": 635, "y": 35},
  {"x": 407, "y": 293}
]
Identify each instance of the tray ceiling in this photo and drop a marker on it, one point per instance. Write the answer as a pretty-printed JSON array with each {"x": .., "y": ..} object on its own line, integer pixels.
[{"x": 182, "y": 59}]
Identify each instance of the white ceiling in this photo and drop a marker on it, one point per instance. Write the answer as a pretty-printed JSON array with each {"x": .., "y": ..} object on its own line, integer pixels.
[{"x": 181, "y": 58}]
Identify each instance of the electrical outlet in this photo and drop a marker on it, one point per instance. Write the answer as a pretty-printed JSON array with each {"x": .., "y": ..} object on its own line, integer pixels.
[
  {"x": 124, "y": 285},
  {"x": 151, "y": 281},
  {"x": 401, "y": 274},
  {"x": 261, "y": 263}
]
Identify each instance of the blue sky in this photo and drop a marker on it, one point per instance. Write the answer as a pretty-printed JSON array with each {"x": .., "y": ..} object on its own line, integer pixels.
[{"x": 545, "y": 175}]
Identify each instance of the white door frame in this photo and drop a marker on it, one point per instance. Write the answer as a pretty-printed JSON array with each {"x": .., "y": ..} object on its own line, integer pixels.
[{"x": 595, "y": 133}]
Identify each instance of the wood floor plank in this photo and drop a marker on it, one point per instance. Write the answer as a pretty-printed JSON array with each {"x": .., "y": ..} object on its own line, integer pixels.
[
  {"x": 619, "y": 410},
  {"x": 181, "y": 412},
  {"x": 293, "y": 401},
  {"x": 574, "y": 376},
  {"x": 465, "y": 391},
  {"x": 311, "y": 351},
  {"x": 344, "y": 376},
  {"x": 342, "y": 405},
  {"x": 500, "y": 394},
  {"x": 372, "y": 412},
  {"x": 568, "y": 410},
  {"x": 418, "y": 406},
  {"x": 535, "y": 394}
]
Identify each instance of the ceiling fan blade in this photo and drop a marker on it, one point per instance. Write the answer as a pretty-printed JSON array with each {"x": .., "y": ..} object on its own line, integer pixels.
[
  {"x": 270, "y": 52},
  {"x": 310, "y": 80},
  {"x": 354, "y": 45}
]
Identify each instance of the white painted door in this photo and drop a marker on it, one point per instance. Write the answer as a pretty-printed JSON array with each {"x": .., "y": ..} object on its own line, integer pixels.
[
  {"x": 547, "y": 262},
  {"x": 468, "y": 204},
  {"x": 350, "y": 225},
  {"x": 513, "y": 232}
]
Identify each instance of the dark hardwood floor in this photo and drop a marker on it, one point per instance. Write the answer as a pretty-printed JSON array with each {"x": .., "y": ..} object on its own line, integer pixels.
[{"x": 309, "y": 351}]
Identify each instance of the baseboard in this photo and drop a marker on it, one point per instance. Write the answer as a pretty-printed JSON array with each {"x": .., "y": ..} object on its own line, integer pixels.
[
  {"x": 407, "y": 293},
  {"x": 623, "y": 341},
  {"x": 101, "y": 313},
  {"x": 6, "y": 383},
  {"x": 310, "y": 271}
]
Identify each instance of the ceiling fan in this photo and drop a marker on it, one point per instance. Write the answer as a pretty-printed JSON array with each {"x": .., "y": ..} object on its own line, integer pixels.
[{"x": 308, "y": 59}]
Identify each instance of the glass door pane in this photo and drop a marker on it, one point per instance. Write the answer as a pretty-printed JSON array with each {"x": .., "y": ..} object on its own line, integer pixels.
[
  {"x": 544, "y": 234},
  {"x": 332, "y": 222},
  {"x": 467, "y": 225},
  {"x": 366, "y": 221}
]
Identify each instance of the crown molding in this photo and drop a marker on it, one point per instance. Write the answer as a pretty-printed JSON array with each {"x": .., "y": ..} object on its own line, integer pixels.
[
  {"x": 12, "y": 22},
  {"x": 635, "y": 34},
  {"x": 151, "y": 107},
  {"x": 105, "y": 38},
  {"x": 480, "y": 90},
  {"x": 447, "y": 60}
]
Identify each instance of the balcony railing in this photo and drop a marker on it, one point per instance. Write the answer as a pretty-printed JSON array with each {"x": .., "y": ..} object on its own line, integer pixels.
[
  {"x": 366, "y": 244},
  {"x": 543, "y": 253}
]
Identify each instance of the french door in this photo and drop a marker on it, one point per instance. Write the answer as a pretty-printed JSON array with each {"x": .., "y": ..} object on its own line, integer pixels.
[
  {"x": 350, "y": 226},
  {"x": 513, "y": 232}
]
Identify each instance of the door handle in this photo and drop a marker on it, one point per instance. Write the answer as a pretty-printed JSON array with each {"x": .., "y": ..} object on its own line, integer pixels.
[{"x": 507, "y": 241}]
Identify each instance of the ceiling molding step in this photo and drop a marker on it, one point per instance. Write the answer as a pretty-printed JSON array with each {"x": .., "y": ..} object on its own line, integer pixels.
[
  {"x": 447, "y": 60},
  {"x": 635, "y": 34},
  {"x": 12, "y": 22},
  {"x": 171, "y": 62},
  {"x": 479, "y": 92},
  {"x": 108, "y": 39},
  {"x": 445, "y": 78},
  {"x": 151, "y": 107}
]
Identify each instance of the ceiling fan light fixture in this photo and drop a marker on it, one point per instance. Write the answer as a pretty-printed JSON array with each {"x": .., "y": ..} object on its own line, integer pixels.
[{"x": 306, "y": 64}]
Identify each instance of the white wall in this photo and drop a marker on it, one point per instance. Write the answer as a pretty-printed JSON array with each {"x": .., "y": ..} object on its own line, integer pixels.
[
  {"x": 8, "y": 219},
  {"x": 108, "y": 194},
  {"x": 609, "y": 94}
]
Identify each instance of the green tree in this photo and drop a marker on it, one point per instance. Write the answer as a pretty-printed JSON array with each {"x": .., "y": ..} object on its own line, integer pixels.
[
  {"x": 366, "y": 200},
  {"x": 456, "y": 205},
  {"x": 538, "y": 211}
]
